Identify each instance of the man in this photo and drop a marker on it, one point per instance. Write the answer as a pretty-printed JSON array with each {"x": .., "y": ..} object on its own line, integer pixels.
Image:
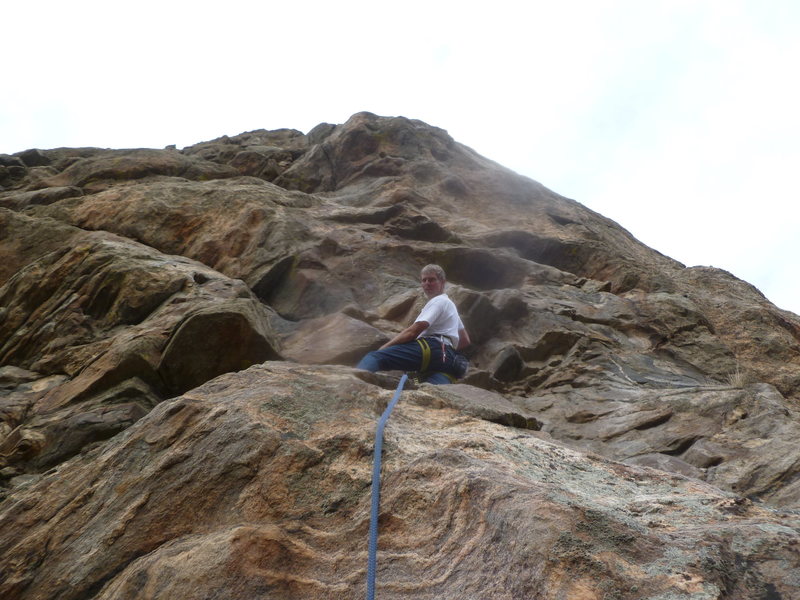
[{"x": 430, "y": 345}]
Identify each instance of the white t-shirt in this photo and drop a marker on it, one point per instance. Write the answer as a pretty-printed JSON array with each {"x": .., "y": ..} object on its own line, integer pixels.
[{"x": 442, "y": 317}]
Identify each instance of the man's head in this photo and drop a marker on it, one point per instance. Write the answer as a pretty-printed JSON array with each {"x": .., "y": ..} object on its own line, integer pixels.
[{"x": 433, "y": 280}]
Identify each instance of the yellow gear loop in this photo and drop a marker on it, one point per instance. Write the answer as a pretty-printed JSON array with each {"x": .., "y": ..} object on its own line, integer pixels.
[{"x": 426, "y": 354}]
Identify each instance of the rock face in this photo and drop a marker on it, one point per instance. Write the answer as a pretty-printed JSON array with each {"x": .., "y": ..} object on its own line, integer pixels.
[{"x": 179, "y": 416}]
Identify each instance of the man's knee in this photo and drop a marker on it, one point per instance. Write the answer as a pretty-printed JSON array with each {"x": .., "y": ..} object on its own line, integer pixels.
[{"x": 370, "y": 362}]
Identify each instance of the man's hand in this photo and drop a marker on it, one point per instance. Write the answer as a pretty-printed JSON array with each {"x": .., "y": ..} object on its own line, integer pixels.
[{"x": 408, "y": 334}]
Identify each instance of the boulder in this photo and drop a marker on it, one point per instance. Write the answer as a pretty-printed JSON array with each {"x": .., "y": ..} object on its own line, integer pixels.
[
  {"x": 33, "y": 158},
  {"x": 334, "y": 339},
  {"x": 228, "y": 336}
]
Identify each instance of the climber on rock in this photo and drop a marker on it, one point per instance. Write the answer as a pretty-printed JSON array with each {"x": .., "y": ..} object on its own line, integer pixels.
[{"x": 431, "y": 345}]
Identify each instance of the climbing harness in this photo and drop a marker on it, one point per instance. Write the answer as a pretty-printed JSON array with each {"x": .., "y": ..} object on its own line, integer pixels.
[
  {"x": 376, "y": 488},
  {"x": 460, "y": 362}
]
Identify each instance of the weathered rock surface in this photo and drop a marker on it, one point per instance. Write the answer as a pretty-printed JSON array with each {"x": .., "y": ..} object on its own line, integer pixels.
[
  {"x": 257, "y": 483},
  {"x": 107, "y": 328},
  {"x": 131, "y": 279}
]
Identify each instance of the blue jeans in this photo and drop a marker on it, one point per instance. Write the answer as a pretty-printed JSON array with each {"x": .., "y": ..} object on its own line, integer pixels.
[{"x": 408, "y": 357}]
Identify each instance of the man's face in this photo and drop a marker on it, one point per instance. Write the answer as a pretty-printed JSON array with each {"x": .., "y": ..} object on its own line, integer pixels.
[{"x": 432, "y": 285}]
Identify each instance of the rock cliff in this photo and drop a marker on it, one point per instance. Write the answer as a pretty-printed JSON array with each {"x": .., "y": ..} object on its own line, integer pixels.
[{"x": 180, "y": 416}]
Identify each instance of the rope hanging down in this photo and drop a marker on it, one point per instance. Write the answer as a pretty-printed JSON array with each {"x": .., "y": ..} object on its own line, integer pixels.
[{"x": 376, "y": 491}]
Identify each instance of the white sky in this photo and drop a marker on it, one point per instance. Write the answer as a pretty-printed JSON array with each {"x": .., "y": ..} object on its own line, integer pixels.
[{"x": 679, "y": 119}]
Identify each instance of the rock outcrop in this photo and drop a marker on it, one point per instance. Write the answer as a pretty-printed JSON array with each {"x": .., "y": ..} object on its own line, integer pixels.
[{"x": 179, "y": 416}]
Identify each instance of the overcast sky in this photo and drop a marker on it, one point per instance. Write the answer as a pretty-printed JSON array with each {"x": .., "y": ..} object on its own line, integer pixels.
[{"x": 678, "y": 119}]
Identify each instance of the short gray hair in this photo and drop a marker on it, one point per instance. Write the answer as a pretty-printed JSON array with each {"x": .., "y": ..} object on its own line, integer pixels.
[{"x": 436, "y": 270}]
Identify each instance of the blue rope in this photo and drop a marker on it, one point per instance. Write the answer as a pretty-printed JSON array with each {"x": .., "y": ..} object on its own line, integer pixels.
[{"x": 376, "y": 491}]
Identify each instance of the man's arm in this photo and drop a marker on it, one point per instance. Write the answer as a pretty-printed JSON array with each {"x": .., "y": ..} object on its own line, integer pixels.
[
  {"x": 408, "y": 334},
  {"x": 463, "y": 339}
]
